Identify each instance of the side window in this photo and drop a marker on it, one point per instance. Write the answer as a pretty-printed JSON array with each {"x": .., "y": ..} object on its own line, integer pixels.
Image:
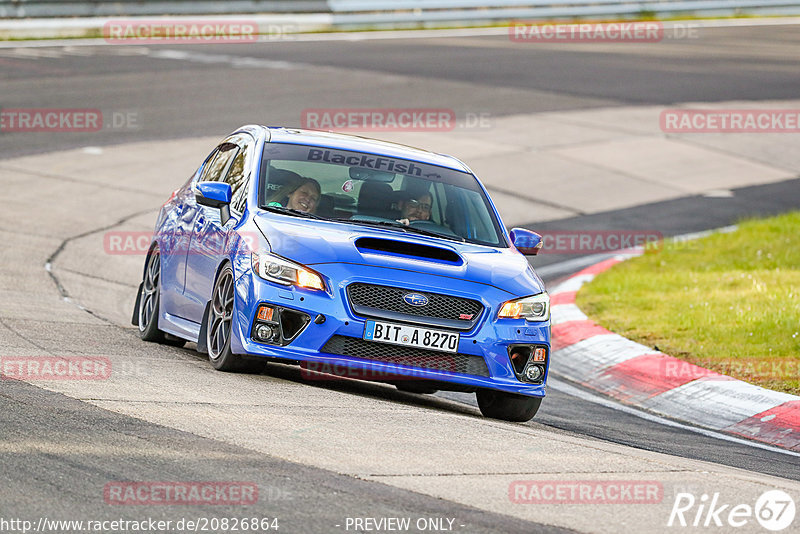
[
  {"x": 239, "y": 199},
  {"x": 235, "y": 175},
  {"x": 218, "y": 165},
  {"x": 207, "y": 165},
  {"x": 239, "y": 178},
  {"x": 230, "y": 162}
]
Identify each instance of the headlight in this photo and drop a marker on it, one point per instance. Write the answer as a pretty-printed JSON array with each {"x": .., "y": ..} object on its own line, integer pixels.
[
  {"x": 535, "y": 308},
  {"x": 276, "y": 269}
]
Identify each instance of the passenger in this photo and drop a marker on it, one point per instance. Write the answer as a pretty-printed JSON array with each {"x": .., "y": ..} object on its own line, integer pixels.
[
  {"x": 415, "y": 208},
  {"x": 298, "y": 194}
]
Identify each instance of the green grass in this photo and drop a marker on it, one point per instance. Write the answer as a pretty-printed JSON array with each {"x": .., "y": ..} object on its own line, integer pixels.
[{"x": 729, "y": 302}]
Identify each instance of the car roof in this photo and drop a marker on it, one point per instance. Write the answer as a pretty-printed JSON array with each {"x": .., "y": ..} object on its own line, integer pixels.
[{"x": 298, "y": 136}]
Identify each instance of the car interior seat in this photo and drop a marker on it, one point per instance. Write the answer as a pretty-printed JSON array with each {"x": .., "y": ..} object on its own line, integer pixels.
[
  {"x": 455, "y": 219},
  {"x": 375, "y": 199},
  {"x": 325, "y": 207},
  {"x": 277, "y": 179}
]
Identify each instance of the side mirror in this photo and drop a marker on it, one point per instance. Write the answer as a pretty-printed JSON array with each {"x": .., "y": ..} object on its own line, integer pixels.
[
  {"x": 527, "y": 242},
  {"x": 215, "y": 195}
]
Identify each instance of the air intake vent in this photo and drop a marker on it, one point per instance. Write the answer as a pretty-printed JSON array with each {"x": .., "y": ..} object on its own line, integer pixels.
[
  {"x": 411, "y": 250},
  {"x": 466, "y": 364}
]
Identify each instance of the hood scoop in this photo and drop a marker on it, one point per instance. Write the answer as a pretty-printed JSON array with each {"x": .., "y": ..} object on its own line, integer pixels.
[{"x": 390, "y": 247}]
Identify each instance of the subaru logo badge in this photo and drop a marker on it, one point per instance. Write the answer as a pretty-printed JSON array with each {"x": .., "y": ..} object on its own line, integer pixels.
[{"x": 415, "y": 299}]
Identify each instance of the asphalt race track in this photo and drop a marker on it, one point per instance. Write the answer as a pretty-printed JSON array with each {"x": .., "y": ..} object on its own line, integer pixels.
[{"x": 323, "y": 452}]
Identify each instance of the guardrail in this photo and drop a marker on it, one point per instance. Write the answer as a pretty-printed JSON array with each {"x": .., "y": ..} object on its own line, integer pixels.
[
  {"x": 378, "y": 12},
  {"x": 96, "y": 8},
  {"x": 431, "y": 12}
]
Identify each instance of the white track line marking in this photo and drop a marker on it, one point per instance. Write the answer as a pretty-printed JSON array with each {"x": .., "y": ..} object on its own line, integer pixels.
[{"x": 569, "y": 389}]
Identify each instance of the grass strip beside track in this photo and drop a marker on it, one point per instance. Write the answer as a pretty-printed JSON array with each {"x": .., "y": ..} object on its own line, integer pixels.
[{"x": 729, "y": 302}]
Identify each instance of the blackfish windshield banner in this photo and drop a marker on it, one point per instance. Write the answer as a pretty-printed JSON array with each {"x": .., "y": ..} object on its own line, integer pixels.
[
  {"x": 364, "y": 161},
  {"x": 277, "y": 152}
]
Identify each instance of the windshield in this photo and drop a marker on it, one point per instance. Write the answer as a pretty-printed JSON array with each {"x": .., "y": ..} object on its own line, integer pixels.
[{"x": 375, "y": 190}]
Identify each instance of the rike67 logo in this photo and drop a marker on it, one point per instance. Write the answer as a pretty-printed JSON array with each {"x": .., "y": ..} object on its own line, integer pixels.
[{"x": 774, "y": 510}]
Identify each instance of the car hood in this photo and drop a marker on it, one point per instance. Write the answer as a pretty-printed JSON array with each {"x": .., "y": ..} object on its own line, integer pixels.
[{"x": 316, "y": 242}]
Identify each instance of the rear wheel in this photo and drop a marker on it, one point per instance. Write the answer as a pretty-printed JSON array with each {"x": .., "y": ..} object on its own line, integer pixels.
[
  {"x": 149, "y": 303},
  {"x": 219, "y": 328},
  {"x": 507, "y": 406}
]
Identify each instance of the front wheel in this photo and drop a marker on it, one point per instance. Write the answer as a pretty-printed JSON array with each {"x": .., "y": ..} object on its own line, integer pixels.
[
  {"x": 507, "y": 406},
  {"x": 219, "y": 328}
]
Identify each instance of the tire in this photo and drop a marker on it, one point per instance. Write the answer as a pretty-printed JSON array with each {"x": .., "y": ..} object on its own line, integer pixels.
[
  {"x": 219, "y": 329},
  {"x": 150, "y": 300},
  {"x": 149, "y": 303},
  {"x": 416, "y": 387},
  {"x": 507, "y": 406}
]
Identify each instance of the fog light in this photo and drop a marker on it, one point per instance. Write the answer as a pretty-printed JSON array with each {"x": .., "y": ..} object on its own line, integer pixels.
[
  {"x": 533, "y": 373},
  {"x": 265, "y": 332}
]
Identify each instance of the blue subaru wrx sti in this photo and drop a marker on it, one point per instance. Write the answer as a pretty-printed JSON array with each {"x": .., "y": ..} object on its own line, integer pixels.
[{"x": 344, "y": 253}]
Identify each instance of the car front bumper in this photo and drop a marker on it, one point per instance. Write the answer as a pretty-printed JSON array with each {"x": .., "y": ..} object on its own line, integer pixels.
[{"x": 488, "y": 340}]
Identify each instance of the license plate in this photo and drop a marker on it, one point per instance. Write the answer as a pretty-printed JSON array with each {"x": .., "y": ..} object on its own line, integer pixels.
[{"x": 411, "y": 336}]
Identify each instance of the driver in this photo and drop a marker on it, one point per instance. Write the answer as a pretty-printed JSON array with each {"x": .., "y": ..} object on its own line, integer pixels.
[
  {"x": 415, "y": 208},
  {"x": 300, "y": 194}
]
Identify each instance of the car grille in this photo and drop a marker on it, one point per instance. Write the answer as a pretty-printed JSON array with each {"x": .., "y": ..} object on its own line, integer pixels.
[
  {"x": 465, "y": 364},
  {"x": 387, "y": 302}
]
